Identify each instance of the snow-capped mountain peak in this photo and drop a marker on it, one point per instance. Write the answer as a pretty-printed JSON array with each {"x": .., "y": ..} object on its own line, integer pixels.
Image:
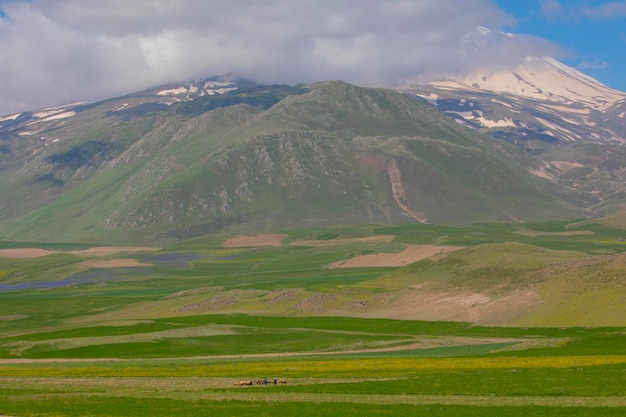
[
  {"x": 541, "y": 78},
  {"x": 540, "y": 101}
]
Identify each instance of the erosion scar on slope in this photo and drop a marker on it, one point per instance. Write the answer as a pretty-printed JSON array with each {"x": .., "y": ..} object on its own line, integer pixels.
[{"x": 399, "y": 195}]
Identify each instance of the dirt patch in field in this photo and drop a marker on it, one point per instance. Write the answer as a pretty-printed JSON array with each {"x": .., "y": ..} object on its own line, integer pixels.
[
  {"x": 112, "y": 263},
  {"x": 411, "y": 254},
  {"x": 242, "y": 241},
  {"x": 27, "y": 253},
  {"x": 24, "y": 253}
]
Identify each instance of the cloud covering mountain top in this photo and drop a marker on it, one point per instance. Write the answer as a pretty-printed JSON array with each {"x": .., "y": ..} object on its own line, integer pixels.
[{"x": 55, "y": 51}]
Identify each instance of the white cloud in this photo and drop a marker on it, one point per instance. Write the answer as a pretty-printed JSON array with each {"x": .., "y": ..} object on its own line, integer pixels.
[{"x": 55, "y": 51}]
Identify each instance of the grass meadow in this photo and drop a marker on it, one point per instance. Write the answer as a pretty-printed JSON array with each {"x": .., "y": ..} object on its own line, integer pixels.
[{"x": 177, "y": 336}]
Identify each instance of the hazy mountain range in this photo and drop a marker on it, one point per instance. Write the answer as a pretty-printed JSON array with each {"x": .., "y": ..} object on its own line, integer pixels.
[{"x": 542, "y": 142}]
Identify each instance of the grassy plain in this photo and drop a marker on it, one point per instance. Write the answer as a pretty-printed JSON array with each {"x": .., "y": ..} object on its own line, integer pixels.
[{"x": 174, "y": 337}]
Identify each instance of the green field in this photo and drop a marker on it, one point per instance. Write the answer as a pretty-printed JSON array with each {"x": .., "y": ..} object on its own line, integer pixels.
[{"x": 175, "y": 335}]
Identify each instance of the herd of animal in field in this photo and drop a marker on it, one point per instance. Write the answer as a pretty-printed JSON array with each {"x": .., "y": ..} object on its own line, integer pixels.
[{"x": 260, "y": 382}]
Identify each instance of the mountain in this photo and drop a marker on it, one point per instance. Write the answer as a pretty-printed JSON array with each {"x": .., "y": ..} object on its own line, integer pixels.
[
  {"x": 574, "y": 125},
  {"x": 540, "y": 102},
  {"x": 260, "y": 158}
]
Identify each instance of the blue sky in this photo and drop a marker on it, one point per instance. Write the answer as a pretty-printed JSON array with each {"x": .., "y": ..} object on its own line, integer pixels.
[
  {"x": 592, "y": 34},
  {"x": 59, "y": 51}
]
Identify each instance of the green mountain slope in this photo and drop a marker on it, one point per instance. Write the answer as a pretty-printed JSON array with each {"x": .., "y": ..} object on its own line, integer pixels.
[{"x": 331, "y": 153}]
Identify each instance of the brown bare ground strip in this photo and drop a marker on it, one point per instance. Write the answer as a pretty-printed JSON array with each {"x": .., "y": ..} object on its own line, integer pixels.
[
  {"x": 242, "y": 241},
  {"x": 411, "y": 254},
  {"x": 24, "y": 253},
  {"x": 112, "y": 263},
  {"x": 27, "y": 253}
]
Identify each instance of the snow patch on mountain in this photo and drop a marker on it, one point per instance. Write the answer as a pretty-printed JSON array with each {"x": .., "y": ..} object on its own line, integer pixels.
[
  {"x": 202, "y": 88},
  {"x": 11, "y": 117},
  {"x": 173, "y": 91},
  {"x": 569, "y": 135},
  {"x": 506, "y": 122},
  {"x": 477, "y": 116},
  {"x": 431, "y": 98},
  {"x": 59, "y": 116}
]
